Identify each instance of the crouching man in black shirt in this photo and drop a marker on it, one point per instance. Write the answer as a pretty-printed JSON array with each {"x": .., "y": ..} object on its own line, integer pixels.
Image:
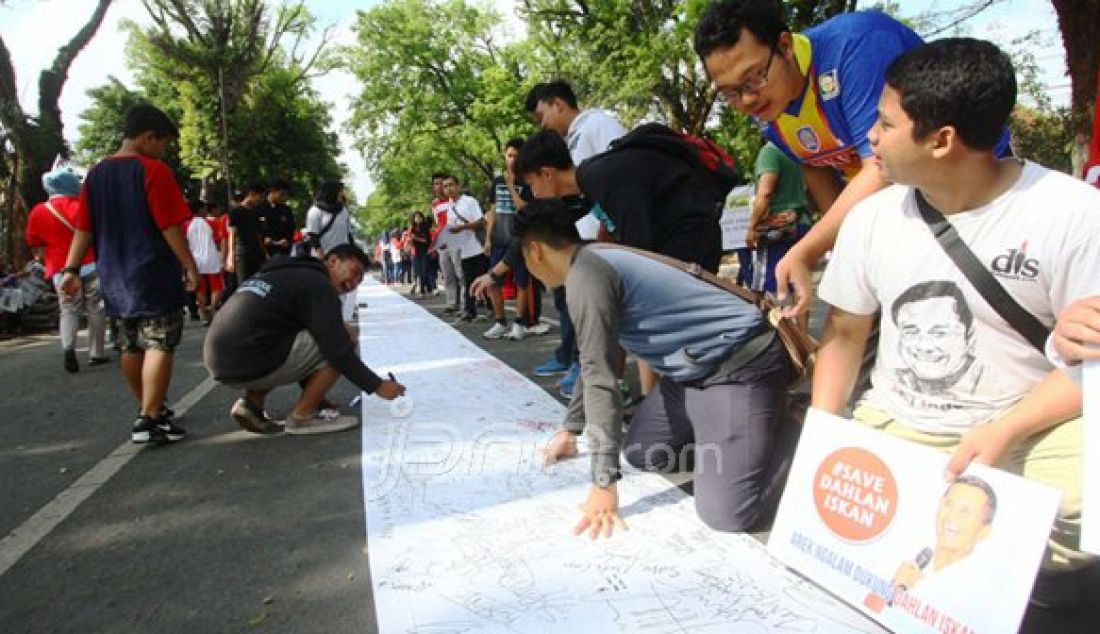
[{"x": 284, "y": 325}]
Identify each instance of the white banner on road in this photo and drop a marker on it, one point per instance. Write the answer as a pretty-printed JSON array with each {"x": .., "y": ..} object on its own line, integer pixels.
[{"x": 468, "y": 532}]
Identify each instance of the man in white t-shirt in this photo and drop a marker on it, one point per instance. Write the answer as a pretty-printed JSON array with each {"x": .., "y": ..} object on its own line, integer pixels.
[
  {"x": 553, "y": 105},
  {"x": 450, "y": 261},
  {"x": 587, "y": 132},
  {"x": 950, "y": 372},
  {"x": 464, "y": 219}
]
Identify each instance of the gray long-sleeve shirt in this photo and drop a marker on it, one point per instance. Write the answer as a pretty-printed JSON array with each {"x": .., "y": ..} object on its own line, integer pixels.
[{"x": 683, "y": 327}]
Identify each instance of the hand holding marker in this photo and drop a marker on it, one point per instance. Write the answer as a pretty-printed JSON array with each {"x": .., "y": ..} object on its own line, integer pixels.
[{"x": 401, "y": 406}]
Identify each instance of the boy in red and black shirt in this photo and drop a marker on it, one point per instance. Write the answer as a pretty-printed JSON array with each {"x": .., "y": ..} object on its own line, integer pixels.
[{"x": 131, "y": 209}]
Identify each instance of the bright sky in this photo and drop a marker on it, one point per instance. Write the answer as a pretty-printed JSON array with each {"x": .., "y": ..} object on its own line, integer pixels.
[
  {"x": 34, "y": 29},
  {"x": 1007, "y": 20}
]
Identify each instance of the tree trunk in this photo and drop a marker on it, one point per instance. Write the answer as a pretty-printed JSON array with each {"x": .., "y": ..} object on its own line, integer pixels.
[
  {"x": 1077, "y": 20},
  {"x": 36, "y": 141}
]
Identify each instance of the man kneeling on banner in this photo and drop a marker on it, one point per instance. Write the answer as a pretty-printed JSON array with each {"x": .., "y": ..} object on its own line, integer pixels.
[{"x": 718, "y": 408}]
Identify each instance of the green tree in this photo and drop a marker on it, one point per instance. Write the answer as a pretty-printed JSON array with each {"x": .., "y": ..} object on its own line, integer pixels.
[
  {"x": 802, "y": 14},
  {"x": 439, "y": 93},
  {"x": 285, "y": 131},
  {"x": 630, "y": 56},
  {"x": 213, "y": 53},
  {"x": 1044, "y": 136},
  {"x": 637, "y": 59},
  {"x": 34, "y": 140},
  {"x": 102, "y": 125},
  {"x": 1041, "y": 132},
  {"x": 1077, "y": 21}
]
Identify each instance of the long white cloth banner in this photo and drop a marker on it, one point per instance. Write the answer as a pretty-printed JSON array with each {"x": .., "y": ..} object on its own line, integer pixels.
[{"x": 467, "y": 531}]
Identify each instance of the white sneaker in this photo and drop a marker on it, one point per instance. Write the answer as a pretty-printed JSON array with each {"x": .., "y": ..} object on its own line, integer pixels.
[
  {"x": 517, "y": 332},
  {"x": 538, "y": 329},
  {"x": 496, "y": 332}
]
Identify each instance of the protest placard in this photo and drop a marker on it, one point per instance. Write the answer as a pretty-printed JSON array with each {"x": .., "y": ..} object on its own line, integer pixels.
[
  {"x": 736, "y": 214},
  {"x": 870, "y": 518}
]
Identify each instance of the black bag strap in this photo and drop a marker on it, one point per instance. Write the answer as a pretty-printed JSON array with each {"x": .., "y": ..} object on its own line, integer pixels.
[
  {"x": 454, "y": 210},
  {"x": 980, "y": 278},
  {"x": 331, "y": 221}
]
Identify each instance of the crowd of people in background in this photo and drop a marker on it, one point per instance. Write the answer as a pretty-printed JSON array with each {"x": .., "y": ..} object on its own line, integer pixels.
[{"x": 870, "y": 134}]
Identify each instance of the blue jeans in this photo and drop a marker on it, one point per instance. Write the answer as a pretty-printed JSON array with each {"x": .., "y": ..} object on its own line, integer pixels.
[
  {"x": 566, "y": 352},
  {"x": 420, "y": 269},
  {"x": 387, "y": 268}
]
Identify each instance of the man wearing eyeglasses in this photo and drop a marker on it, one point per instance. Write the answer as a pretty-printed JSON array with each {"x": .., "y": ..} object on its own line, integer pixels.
[{"x": 817, "y": 93}]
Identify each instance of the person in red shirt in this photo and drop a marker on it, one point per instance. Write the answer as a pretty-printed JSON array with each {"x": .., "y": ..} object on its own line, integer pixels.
[
  {"x": 206, "y": 242},
  {"x": 50, "y": 234},
  {"x": 132, "y": 207}
]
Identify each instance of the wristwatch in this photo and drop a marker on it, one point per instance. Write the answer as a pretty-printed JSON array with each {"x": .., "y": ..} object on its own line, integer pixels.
[
  {"x": 75, "y": 270},
  {"x": 606, "y": 479}
]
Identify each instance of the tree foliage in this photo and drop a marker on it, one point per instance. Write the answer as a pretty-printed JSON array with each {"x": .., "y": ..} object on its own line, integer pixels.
[
  {"x": 102, "y": 124},
  {"x": 31, "y": 143},
  {"x": 442, "y": 87},
  {"x": 1077, "y": 21},
  {"x": 635, "y": 57},
  {"x": 439, "y": 92},
  {"x": 1041, "y": 132},
  {"x": 244, "y": 59}
]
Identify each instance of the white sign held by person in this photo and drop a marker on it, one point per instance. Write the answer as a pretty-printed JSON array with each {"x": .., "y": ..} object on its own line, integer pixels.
[
  {"x": 870, "y": 518},
  {"x": 1090, "y": 516},
  {"x": 736, "y": 214}
]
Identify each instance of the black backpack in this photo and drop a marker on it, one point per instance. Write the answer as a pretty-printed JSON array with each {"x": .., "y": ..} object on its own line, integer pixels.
[{"x": 713, "y": 166}]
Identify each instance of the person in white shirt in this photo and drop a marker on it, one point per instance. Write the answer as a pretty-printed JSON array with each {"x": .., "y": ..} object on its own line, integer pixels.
[
  {"x": 204, "y": 249},
  {"x": 464, "y": 219},
  {"x": 328, "y": 224},
  {"x": 950, "y": 372},
  {"x": 586, "y": 132},
  {"x": 450, "y": 261}
]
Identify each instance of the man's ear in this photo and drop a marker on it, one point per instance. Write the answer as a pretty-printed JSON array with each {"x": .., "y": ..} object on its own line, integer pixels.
[
  {"x": 944, "y": 141},
  {"x": 533, "y": 250},
  {"x": 786, "y": 45}
]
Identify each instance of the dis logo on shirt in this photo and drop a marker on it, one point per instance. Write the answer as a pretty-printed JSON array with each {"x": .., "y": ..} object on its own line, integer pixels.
[{"x": 1015, "y": 265}]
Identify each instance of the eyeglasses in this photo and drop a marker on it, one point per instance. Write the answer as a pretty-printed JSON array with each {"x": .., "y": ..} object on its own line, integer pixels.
[{"x": 753, "y": 85}]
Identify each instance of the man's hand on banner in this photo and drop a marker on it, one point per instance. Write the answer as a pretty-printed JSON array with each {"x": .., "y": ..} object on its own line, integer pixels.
[
  {"x": 561, "y": 447},
  {"x": 601, "y": 513}
]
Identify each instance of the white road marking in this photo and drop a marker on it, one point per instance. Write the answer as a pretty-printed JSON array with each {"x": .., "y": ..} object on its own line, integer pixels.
[{"x": 36, "y": 527}]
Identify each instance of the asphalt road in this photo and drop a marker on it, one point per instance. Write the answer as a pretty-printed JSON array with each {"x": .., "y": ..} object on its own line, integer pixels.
[{"x": 225, "y": 532}]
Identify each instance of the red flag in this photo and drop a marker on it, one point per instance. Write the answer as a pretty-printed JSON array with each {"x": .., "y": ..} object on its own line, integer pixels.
[{"x": 1092, "y": 165}]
